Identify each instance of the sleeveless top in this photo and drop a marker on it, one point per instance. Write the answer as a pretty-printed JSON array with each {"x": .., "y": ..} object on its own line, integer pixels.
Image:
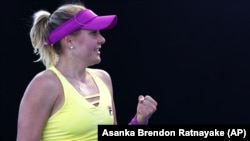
[{"x": 78, "y": 119}]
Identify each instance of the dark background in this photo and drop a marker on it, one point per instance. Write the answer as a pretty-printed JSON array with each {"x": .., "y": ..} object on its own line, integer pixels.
[{"x": 192, "y": 56}]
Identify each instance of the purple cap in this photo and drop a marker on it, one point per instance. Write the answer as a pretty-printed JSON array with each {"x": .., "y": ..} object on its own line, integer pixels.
[{"x": 85, "y": 19}]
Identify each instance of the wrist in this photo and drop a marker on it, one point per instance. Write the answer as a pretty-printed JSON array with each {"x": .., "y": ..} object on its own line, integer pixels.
[{"x": 134, "y": 121}]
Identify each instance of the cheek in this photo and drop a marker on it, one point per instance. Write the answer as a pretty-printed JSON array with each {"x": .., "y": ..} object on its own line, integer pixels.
[
  {"x": 80, "y": 41},
  {"x": 89, "y": 44},
  {"x": 85, "y": 41}
]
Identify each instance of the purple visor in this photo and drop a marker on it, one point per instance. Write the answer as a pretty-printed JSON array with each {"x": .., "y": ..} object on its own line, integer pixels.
[{"x": 85, "y": 19}]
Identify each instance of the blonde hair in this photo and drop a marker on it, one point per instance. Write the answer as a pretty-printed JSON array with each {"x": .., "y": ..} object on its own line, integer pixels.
[{"x": 43, "y": 24}]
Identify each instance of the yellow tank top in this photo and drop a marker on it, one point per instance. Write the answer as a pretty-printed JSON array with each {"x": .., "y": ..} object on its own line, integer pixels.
[{"x": 78, "y": 119}]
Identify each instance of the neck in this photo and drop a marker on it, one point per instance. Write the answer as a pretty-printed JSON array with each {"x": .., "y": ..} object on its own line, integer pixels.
[{"x": 72, "y": 70}]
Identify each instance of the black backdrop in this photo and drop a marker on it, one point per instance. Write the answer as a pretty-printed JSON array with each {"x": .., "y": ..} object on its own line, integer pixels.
[{"x": 192, "y": 56}]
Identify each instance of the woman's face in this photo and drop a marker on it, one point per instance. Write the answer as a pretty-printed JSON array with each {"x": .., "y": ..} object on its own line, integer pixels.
[{"x": 87, "y": 46}]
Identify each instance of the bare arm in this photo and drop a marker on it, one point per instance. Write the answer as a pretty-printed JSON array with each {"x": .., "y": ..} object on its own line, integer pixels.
[{"x": 36, "y": 106}]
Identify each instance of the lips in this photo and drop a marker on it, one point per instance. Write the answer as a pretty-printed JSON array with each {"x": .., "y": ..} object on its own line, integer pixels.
[{"x": 97, "y": 49}]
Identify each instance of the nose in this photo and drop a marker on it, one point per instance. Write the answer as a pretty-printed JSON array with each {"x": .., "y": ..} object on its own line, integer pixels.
[{"x": 101, "y": 39}]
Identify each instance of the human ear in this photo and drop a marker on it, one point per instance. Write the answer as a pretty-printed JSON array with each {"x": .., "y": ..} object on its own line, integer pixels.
[{"x": 67, "y": 40}]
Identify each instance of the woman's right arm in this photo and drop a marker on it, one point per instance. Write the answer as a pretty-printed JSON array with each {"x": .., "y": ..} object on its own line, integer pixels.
[{"x": 36, "y": 106}]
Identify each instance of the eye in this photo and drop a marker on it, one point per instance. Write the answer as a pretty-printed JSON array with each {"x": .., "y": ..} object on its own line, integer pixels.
[{"x": 93, "y": 33}]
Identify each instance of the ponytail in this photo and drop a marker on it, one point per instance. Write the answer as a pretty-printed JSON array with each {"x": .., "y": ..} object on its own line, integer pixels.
[{"x": 38, "y": 34}]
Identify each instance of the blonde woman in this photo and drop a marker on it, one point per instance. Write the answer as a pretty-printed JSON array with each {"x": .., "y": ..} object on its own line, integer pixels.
[{"x": 67, "y": 100}]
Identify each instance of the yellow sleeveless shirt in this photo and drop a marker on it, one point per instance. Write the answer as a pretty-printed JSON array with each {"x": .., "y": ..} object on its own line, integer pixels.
[{"x": 78, "y": 120}]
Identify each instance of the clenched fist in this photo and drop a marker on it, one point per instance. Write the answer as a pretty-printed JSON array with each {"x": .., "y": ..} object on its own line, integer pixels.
[{"x": 145, "y": 108}]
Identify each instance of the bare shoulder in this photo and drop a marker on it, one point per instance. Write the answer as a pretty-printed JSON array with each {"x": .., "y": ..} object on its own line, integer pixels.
[
  {"x": 37, "y": 104},
  {"x": 104, "y": 76},
  {"x": 45, "y": 85},
  {"x": 45, "y": 76}
]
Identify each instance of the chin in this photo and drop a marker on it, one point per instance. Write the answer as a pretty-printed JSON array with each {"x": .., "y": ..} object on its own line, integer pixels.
[{"x": 96, "y": 62}]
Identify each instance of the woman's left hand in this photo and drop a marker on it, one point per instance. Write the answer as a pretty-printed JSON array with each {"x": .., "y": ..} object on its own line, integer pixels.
[{"x": 145, "y": 108}]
